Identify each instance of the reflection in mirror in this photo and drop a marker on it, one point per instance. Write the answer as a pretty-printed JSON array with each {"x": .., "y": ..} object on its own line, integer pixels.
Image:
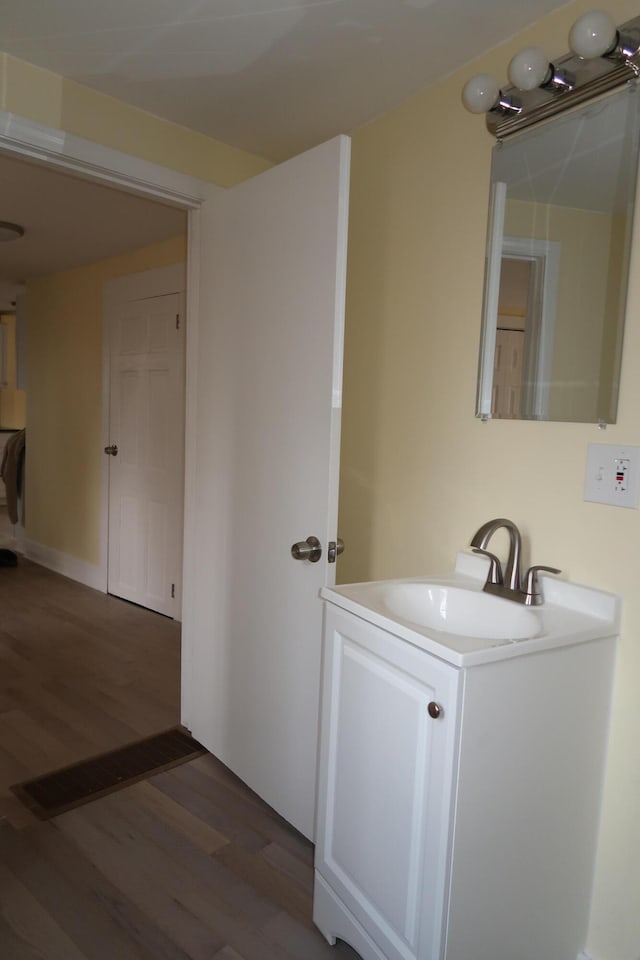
[{"x": 558, "y": 245}]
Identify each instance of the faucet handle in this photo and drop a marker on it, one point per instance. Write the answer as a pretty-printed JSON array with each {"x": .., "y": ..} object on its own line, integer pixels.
[
  {"x": 532, "y": 587},
  {"x": 495, "y": 570}
]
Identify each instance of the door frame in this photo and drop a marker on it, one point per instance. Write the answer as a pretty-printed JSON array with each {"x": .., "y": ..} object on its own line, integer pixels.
[
  {"x": 68, "y": 153},
  {"x": 544, "y": 256}
]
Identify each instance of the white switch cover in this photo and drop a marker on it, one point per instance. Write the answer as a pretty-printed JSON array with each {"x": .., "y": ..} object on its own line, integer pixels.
[{"x": 613, "y": 475}]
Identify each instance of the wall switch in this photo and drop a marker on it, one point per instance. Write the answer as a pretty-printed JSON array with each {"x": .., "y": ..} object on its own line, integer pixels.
[{"x": 613, "y": 475}]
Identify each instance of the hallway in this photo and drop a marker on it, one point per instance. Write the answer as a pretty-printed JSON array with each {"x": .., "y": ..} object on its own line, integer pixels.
[{"x": 188, "y": 865}]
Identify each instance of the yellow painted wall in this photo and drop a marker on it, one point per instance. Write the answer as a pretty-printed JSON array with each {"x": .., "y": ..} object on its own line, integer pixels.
[
  {"x": 47, "y": 98},
  {"x": 513, "y": 300},
  {"x": 420, "y": 473},
  {"x": 12, "y": 400},
  {"x": 64, "y": 415}
]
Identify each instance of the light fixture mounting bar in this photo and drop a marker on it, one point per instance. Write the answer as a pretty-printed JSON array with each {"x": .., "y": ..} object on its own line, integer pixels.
[{"x": 592, "y": 78}]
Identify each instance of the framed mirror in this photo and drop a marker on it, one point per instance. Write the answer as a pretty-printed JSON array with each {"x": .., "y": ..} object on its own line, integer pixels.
[{"x": 558, "y": 250}]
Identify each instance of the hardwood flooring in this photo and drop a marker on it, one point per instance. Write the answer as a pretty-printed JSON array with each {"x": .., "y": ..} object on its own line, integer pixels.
[{"x": 188, "y": 865}]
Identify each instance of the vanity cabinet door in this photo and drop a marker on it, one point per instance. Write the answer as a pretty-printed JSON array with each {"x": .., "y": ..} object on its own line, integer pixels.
[{"x": 387, "y": 760}]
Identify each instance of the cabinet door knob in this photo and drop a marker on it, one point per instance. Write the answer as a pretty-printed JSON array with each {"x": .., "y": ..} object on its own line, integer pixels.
[{"x": 435, "y": 710}]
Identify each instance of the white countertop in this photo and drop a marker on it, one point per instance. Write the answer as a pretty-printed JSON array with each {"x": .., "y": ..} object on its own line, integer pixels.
[{"x": 571, "y": 613}]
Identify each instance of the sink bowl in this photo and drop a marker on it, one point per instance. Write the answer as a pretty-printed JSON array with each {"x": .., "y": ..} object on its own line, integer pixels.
[
  {"x": 469, "y": 613},
  {"x": 452, "y": 617}
]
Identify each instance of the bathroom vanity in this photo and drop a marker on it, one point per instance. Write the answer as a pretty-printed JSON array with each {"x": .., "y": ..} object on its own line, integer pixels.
[{"x": 460, "y": 773}]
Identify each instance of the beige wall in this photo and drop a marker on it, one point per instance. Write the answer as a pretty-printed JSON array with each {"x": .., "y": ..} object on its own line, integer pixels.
[
  {"x": 64, "y": 416},
  {"x": 12, "y": 400},
  {"x": 55, "y": 102},
  {"x": 513, "y": 300},
  {"x": 420, "y": 473}
]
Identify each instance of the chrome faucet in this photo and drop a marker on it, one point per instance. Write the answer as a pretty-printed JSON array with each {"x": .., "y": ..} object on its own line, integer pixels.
[
  {"x": 481, "y": 539},
  {"x": 509, "y": 585}
]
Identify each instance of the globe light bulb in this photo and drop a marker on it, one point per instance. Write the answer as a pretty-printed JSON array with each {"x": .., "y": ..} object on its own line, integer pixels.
[
  {"x": 593, "y": 34},
  {"x": 529, "y": 68},
  {"x": 480, "y": 93}
]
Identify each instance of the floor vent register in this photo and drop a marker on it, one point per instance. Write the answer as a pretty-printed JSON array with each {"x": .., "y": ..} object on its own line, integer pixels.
[{"x": 55, "y": 793}]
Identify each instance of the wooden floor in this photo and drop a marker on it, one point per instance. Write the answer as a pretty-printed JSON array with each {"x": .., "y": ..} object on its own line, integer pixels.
[{"x": 189, "y": 865}]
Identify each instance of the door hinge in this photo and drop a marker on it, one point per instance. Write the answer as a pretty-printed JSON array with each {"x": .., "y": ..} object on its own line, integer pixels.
[
  {"x": 177, "y": 321},
  {"x": 173, "y": 591}
]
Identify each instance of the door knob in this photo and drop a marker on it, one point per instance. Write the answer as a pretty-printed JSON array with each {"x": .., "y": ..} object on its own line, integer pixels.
[
  {"x": 334, "y": 549},
  {"x": 308, "y": 549},
  {"x": 112, "y": 450}
]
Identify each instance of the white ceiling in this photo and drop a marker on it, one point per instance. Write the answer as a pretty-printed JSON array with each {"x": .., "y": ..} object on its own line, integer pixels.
[
  {"x": 271, "y": 76},
  {"x": 70, "y": 222}
]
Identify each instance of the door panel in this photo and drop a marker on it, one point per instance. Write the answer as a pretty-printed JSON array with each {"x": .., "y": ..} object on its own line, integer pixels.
[
  {"x": 507, "y": 373},
  {"x": 145, "y": 477},
  {"x": 273, "y": 260}
]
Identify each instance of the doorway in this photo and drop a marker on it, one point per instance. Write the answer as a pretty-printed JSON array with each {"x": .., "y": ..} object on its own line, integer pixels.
[
  {"x": 525, "y": 328},
  {"x": 225, "y": 359},
  {"x": 67, "y": 259}
]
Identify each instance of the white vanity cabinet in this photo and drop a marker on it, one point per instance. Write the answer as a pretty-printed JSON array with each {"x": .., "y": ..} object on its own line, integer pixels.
[{"x": 459, "y": 793}]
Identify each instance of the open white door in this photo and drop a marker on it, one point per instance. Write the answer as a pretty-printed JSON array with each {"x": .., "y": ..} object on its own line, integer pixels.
[{"x": 264, "y": 471}]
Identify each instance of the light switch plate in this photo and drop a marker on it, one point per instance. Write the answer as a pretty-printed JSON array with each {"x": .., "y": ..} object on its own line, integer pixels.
[{"x": 613, "y": 475}]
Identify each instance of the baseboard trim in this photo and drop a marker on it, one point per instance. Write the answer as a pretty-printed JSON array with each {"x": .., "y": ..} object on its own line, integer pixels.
[{"x": 80, "y": 570}]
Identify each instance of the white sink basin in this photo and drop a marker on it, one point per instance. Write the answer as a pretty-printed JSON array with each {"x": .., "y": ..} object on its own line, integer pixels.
[
  {"x": 467, "y": 613},
  {"x": 453, "y": 618}
]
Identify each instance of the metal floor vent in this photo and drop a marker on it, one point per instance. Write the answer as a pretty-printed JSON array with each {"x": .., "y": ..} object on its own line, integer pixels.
[{"x": 62, "y": 790}]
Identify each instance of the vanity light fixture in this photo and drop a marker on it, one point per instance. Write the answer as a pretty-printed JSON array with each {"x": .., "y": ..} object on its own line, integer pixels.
[
  {"x": 595, "y": 34},
  {"x": 482, "y": 93},
  {"x": 602, "y": 57},
  {"x": 10, "y": 231},
  {"x": 531, "y": 68}
]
